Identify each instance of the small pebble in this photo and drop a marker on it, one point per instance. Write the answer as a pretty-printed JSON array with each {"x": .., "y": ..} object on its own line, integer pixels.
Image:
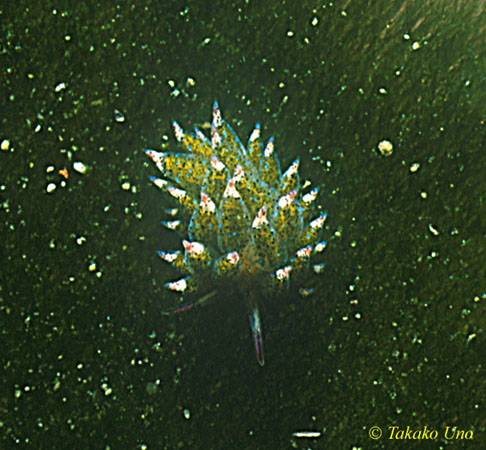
[
  {"x": 306, "y": 292},
  {"x": 171, "y": 224},
  {"x": 119, "y": 117},
  {"x": 385, "y": 147},
  {"x": 414, "y": 167},
  {"x": 5, "y": 145},
  {"x": 107, "y": 389},
  {"x": 60, "y": 87},
  {"x": 51, "y": 187},
  {"x": 79, "y": 167}
]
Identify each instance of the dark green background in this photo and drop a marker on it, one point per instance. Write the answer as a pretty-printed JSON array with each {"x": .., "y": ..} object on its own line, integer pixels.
[{"x": 395, "y": 334}]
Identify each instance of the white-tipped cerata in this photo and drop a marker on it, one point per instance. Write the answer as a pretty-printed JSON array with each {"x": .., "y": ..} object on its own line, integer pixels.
[
  {"x": 178, "y": 286},
  {"x": 193, "y": 248},
  {"x": 319, "y": 222},
  {"x": 261, "y": 218},
  {"x": 230, "y": 190},
  {"x": 283, "y": 273}
]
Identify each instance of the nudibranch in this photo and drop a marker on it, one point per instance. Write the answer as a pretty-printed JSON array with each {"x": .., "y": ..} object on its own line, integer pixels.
[{"x": 246, "y": 227}]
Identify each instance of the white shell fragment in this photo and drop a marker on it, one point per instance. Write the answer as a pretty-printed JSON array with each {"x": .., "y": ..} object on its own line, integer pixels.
[
  {"x": 60, "y": 87},
  {"x": 433, "y": 230},
  {"x": 306, "y": 434}
]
